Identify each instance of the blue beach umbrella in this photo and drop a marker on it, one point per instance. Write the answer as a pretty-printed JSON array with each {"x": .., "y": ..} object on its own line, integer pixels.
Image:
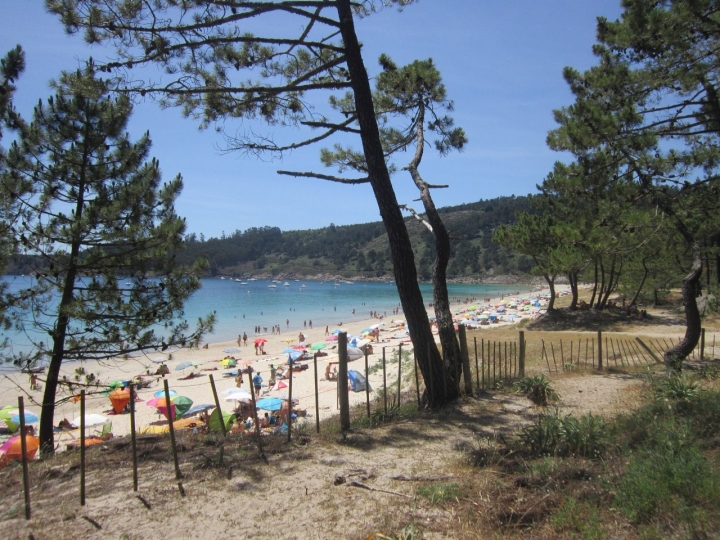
[
  {"x": 30, "y": 418},
  {"x": 294, "y": 356},
  {"x": 183, "y": 365},
  {"x": 231, "y": 350},
  {"x": 288, "y": 351},
  {"x": 161, "y": 393},
  {"x": 269, "y": 404},
  {"x": 195, "y": 409}
]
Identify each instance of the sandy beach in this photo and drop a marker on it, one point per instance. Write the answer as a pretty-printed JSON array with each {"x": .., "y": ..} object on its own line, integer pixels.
[{"x": 198, "y": 388}]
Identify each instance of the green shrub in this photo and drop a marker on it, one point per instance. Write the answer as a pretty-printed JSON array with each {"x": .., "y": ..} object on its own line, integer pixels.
[
  {"x": 537, "y": 389},
  {"x": 679, "y": 388},
  {"x": 551, "y": 434}
]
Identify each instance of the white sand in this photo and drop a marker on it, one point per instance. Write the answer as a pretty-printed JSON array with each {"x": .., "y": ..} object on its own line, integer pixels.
[{"x": 199, "y": 389}]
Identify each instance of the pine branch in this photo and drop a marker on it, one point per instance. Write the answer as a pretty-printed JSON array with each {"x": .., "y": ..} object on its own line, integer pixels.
[{"x": 326, "y": 177}]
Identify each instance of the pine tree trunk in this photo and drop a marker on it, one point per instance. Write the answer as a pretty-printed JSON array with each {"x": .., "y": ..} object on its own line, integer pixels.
[
  {"x": 400, "y": 247},
  {"x": 674, "y": 356},
  {"x": 595, "y": 286},
  {"x": 572, "y": 276},
  {"x": 551, "y": 284}
]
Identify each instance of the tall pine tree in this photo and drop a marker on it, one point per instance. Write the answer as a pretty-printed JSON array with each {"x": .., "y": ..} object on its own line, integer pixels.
[{"x": 98, "y": 217}]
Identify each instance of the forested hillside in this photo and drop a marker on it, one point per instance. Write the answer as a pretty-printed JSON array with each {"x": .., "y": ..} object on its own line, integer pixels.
[{"x": 362, "y": 250}]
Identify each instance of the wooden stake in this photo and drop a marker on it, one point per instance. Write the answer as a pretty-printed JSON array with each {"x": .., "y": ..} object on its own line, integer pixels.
[
  {"x": 178, "y": 474},
  {"x": 477, "y": 367},
  {"x": 317, "y": 396},
  {"x": 600, "y": 359},
  {"x": 417, "y": 382},
  {"x": 343, "y": 382},
  {"x": 385, "y": 383},
  {"x": 367, "y": 384},
  {"x": 23, "y": 449},
  {"x": 82, "y": 447},
  {"x": 399, "y": 372},
  {"x": 289, "y": 419},
  {"x": 133, "y": 438}
]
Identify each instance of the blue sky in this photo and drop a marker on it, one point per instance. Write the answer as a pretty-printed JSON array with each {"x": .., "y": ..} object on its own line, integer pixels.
[{"x": 501, "y": 62}]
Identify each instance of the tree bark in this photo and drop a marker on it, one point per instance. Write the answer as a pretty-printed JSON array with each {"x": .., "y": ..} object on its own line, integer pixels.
[
  {"x": 674, "y": 356},
  {"x": 595, "y": 286},
  {"x": 572, "y": 277},
  {"x": 400, "y": 247},
  {"x": 642, "y": 284}
]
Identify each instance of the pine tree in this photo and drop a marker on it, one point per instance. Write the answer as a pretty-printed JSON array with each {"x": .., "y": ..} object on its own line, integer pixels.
[{"x": 98, "y": 217}]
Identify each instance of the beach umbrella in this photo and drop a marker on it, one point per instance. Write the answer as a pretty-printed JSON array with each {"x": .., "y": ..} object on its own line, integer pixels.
[
  {"x": 336, "y": 331},
  {"x": 119, "y": 400},
  {"x": 161, "y": 393},
  {"x": 90, "y": 420},
  {"x": 270, "y": 404},
  {"x": 233, "y": 390},
  {"x": 159, "y": 360},
  {"x": 300, "y": 346},
  {"x": 294, "y": 356},
  {"x": 238, "y": 397},
  {"x": 353, "y": 353},
  {"x": 12, "y": 448},
  {"x": 288, "y": 351},
  {"x": 279, "y": 384},
  {"x": 195, "y": 409},
  {"x": 331, "y": 338},
  {"x": 318, "y": 346},
  {"x": 183, "y": 365},
  {"x": 182, "y": 404},
  {"x": 288, "y": 340},
  {"x": 30, "y": 418},
  {"x": 231, "y": 350},
  {"x": 167, "y": 410},
  {"x": 117, "y": 384},
  {"x": 238, "y": 393},
  {"x": 261, "y": 341},
  {"x": 244, "y": 362},
  {"x": 228, "y": 362}
]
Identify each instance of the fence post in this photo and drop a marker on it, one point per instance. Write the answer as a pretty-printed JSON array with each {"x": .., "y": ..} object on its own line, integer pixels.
[
  {"x": 168, "y": 404},
  {"x": 465, "y": 359},
  {"x": 702, "y": 344},
  {"x": 289, "y": 418},
  {"x": 600, "y": 358},
  {"x": 384, "y": 382},
  {"x": 23, "y": 449},
  {"x": 477, "y": 367},
  {"x": 317, "y": 396},
  {"x": 521, "y": 358},
  {"x": 82, "y": 447},
  {"x": 367, "y": 383},
  {"x": 133, "y": 438},
  {"x": 399, "y": 371},
  {"x": 343, "y": 382}
]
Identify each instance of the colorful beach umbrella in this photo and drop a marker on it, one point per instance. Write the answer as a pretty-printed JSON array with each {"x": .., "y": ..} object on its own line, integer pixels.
[
  {"x": 228, "y": 362},
  {"x": 119, "y": 400},
  {"x": 12, "y": 448},
  {"x": 167, "y": 410},
  {"x": 318, "y": 346},
  {"x": 30, "y": 418},
  {"x": 182, "y": 404},
  {"x": 183, "y": 365}
]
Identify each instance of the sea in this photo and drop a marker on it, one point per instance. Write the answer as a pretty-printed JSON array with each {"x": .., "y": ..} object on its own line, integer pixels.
[{"x": 240, "y": 306}]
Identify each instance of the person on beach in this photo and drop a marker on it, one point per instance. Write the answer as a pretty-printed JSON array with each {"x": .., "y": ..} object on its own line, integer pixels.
[
  {"x": 310, "y": 323},
  {"x": 245, "y": 339},
  {"x": 239, "y": 340},
  {"x": 327, "y": 330},
  {"x": 238, "y": 379},
  {"x": 272, "y": 372},
  {"x": 287, "y": 323},
  {"x": 257, "y": 384}
]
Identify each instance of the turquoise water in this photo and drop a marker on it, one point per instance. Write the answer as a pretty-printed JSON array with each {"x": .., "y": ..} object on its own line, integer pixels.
[{"x": 240, "y": 306}]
